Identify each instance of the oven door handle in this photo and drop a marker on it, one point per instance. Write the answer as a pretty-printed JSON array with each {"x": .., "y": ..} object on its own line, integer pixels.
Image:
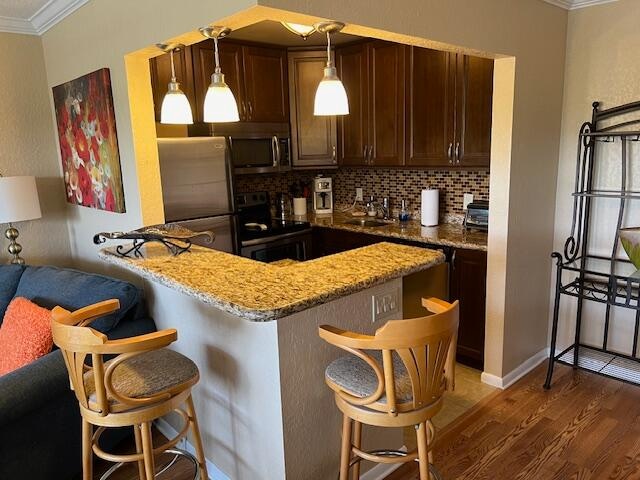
[{"x": 259, "y": 241}]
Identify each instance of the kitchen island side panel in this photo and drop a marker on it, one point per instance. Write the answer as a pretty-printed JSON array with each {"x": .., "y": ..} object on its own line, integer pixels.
[
  {"x": 312, "y": 422},
  {"x": 238, "y": 397}
]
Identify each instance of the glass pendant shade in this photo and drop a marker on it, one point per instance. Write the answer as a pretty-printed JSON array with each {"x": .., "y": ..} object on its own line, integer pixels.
[
  {"x": 331, "y": 97},
  {"x": 219, "y": 104},
  {"x": 299, "y": 29},
  {"x": 175, "y": 107}
]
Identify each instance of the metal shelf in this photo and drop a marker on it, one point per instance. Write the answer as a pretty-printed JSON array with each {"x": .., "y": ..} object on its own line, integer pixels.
[{"x": 608, "y": 364}]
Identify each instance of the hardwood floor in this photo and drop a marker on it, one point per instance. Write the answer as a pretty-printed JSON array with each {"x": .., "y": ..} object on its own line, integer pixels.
[{"x": 586, "y": 427}]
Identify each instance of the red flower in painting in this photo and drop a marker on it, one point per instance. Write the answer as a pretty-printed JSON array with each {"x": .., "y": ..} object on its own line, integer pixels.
[
  {"x": 82, "y": 146},
  {"x": 63, "y": 120},
  {"x": 84, "y": 184},
  {"x": 109, "y": 201},
  {"x": 65, "y": 148},
  {"x": 95, "y": 148}
]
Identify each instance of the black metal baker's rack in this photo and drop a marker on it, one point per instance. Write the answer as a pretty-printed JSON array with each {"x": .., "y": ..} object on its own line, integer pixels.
[{"x": 587, "y": 276}]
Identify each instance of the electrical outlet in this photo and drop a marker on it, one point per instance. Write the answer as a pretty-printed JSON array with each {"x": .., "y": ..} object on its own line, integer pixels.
[
  {"x": 468, "y": 198},
  {"x": 359, "y": 196},
  {"x": 385, "y": 305}
]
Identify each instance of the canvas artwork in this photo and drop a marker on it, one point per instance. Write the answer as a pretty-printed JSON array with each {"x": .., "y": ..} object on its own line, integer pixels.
[{"x": 88, "y": 142}]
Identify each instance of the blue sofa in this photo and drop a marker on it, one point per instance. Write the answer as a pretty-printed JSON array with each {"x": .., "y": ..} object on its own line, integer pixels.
[{"x": 40, "y": 429}]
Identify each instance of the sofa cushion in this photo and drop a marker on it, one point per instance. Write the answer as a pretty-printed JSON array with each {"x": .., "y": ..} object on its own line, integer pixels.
[
  {"x": 71, "y": 289},
  {"x": 25, "y": 334},
  {"x": 9, "y": 278}
]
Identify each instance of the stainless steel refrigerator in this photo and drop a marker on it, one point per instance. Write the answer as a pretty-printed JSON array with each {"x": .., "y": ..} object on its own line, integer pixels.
[{"x": 197, "y": 187}]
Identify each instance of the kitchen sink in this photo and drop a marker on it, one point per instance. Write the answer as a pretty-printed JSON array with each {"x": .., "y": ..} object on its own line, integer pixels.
[{"x": 366, "y": 222}]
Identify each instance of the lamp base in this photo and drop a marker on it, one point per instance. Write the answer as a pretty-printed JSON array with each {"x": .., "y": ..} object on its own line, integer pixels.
[{"x": 14, "y": 247}]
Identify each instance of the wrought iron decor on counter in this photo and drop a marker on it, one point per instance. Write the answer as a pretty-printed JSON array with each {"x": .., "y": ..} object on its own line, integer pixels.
[
  {"x": 177, "y": 239},
  {"x": 588, "y": 275}
]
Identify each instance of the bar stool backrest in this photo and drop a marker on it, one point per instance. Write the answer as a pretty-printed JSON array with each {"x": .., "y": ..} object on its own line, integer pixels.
[{"x": 77, "y": 341}]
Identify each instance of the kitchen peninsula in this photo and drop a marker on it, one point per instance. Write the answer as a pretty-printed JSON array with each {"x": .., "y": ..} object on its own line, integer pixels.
[{"x": 252, "y": 330}]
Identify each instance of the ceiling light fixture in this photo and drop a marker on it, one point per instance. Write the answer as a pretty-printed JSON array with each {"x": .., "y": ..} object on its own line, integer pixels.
[
  {"x": 176, "y": 108},
  {"x": 331, "y": 97},
  {"x": 305, "y": 31},
  {"x": 219, "y": 104}
]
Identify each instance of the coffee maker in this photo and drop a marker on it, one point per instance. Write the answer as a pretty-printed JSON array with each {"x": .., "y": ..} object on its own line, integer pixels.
[{"x": 322, "y": 195}]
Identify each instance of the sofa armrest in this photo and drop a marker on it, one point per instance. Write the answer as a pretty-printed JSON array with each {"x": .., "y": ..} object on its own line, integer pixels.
[{"x": 32, "y": 386}]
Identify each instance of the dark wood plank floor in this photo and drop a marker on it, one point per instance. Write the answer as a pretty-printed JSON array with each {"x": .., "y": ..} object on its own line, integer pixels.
[{"x": 586, "y": 427}]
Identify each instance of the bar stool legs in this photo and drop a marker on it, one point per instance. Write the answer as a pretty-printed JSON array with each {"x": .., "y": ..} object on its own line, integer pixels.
[
  {"x": 423, "y": 451},
  {"x": 357, "y": 442},
  {"x": 138, "y": 436},
  {"x": 87, "y": 451},
  {"x": 195, "y": 429},
  {"x": 147, "y": 451},
  {"x": 345, "y": 450}
]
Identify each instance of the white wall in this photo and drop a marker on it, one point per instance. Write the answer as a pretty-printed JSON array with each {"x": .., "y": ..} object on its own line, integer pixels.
[
  {"x": 27, "y": 147},
  {"x": 602, "y": 65}
]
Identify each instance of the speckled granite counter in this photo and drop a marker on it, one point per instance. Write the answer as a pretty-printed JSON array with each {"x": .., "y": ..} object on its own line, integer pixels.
[
  {"x": 262, "y": 292},
  {"x": 447, "y": 234}
]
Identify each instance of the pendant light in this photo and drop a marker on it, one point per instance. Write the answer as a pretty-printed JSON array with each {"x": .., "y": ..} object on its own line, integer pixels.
[
  {"x": 304, "y": 31},
  {"x": 219, "y": 104},
  {"x": 331, "y": 97},
  {"x": 175, "y": 105}
]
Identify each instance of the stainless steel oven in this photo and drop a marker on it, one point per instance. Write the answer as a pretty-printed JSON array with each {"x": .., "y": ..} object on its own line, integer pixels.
[
  {"x": 253, "y": 147},
  {"x": 293, "y": 246}
]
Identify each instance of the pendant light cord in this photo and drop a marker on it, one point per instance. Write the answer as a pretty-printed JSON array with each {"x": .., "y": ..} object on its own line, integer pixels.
[
  {"x": 215, "y": 55},
  {"x": 173, "y": 68},
  {"x": 329, "y": 62}
]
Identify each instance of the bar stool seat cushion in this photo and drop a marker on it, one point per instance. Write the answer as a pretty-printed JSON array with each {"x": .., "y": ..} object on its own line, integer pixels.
[
  {"x": 147, "y": 374},
  {"x": 357, "y": 378}
]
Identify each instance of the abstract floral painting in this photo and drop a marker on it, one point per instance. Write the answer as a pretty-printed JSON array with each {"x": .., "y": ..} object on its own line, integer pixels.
[{"x": 88, "y": 142}]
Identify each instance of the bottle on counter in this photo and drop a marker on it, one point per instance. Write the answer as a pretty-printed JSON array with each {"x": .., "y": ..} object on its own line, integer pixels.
[
  {"x": 371, "y": 207},
  {"x": 404, "y": 215}
]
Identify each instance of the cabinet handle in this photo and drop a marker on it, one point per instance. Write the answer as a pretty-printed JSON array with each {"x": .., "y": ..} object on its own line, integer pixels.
[
  {"x": 250, "y": 110},
  {"x": 458, "y": 153},
  {"x": 334, "y": 154},
  {"x": 371, "y": 154},
  {"x": 364, "y": 154},
  {"x": 243, "y": 110},
  {"x": 449, "y": 152}
]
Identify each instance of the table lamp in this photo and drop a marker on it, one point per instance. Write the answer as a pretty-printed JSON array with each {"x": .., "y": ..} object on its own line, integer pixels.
[{"x": 18, "y": 202}]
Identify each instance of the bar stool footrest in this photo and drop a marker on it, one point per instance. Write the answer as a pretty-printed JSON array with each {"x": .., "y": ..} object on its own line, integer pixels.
[
  {"x": 176, "y": 452},
  {"x": 394, "y": 453}
]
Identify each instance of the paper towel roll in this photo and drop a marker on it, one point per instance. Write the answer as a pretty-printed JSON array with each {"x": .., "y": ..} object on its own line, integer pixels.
[{"x": 430, "y": 207}]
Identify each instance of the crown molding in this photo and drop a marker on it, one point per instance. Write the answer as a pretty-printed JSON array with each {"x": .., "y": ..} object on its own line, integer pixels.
[
  {"x": 49, "y": 14},
  {"x": 575, "y": 4}
]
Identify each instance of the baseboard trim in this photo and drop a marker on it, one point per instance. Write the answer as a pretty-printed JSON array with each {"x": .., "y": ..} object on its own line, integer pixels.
[
  {"x": 517, "y": 373},
  {"x": 168, "y": 431},
  {"x": 382, "y": 470}
]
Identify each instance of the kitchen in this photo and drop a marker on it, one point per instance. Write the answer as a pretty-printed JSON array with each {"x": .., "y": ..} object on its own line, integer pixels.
[{"x": 418, "y": 119}]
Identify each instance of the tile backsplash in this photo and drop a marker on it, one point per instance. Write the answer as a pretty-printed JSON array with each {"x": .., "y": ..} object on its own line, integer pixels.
[{"x": 397, "y": 184}]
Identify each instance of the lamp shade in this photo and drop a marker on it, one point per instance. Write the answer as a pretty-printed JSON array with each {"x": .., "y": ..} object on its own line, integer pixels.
[
  {"x": 18, "y": 199},
  {"x": 331, "y": 97},
  {"x": 219, "y": 103},
  {"x": 175, "y": 107}
]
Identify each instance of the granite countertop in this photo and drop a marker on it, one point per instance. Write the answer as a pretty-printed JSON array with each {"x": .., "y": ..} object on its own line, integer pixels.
[
  {"x": 262, "y": 292},
  {"x": 446, "y": 234}
]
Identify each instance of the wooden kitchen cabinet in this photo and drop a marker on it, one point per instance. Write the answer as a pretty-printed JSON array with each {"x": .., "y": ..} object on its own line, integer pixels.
[
  {"x": 313, "y": 138},
  {"x": 160, "y": 68},
  {"x": 266, "y": 84},
  {"x": 468, "y": 284},
  {"x": 373, "y": 75},
  {"x": 449, "y": 109}
]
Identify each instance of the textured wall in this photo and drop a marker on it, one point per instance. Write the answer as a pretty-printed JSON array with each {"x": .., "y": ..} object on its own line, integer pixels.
[
  {"x": 602, "y": 52},
  {"x": 397, "y": 184},
  {"x": 27, "y": 147}
]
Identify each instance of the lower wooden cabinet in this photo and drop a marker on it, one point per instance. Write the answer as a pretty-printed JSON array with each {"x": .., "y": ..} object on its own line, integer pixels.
[{"x": 468, "y": 284}]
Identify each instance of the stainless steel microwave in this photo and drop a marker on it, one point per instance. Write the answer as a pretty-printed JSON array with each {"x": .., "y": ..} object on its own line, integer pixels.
[{"x": 253, "y": 147}]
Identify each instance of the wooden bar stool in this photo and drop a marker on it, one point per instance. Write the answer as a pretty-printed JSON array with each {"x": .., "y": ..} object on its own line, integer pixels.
[
  {"x": 142, "y": 383},
  {"x": 398, "y": 384}
]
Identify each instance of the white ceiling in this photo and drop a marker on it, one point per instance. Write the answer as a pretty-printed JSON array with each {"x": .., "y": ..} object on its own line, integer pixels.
[
  {"x": 34, "y": 17},
  {"x": 37, "y": 16}
]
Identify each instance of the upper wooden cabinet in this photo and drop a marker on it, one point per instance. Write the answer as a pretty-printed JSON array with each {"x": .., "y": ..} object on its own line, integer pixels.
[
  {"x": 373, "y": 74},
  {"x": 313, "y": 138},
  {"x": 257, "y": 76},
  {"x": 449, "y": 109},
  {"x": 161, "y": 76}
]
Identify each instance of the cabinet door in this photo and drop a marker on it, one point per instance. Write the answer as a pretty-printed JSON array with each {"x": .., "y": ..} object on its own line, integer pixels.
[
  {"x": 475, "y": 94},
  {"x": 313, "y": 138},
  {"x": 266, "y": 84},
  {"x": 231, "y": 64},
  {"x": 353, "y": 135},
  {"x": 160, "y": 67},
  {"x": 431, "y": 107},
  {"x": 469, "y": 285},
  {"x": 386, "y": 96}
]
